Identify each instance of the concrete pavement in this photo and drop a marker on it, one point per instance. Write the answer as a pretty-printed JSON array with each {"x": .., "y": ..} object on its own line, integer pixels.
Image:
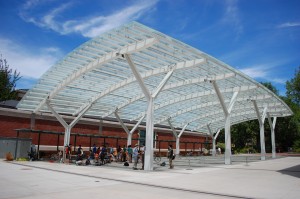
[{"x": 273, "y": 178}]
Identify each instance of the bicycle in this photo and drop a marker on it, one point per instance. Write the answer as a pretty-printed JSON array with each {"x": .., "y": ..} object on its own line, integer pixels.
[
  {"x": 56, "y": 156},
  {"x": 157, "y": 157},
  {"x": 189, "y": 153}
]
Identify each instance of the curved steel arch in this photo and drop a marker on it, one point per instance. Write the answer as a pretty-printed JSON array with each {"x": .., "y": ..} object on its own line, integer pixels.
[
  {"x": 102, "y": 60},
  {"x": 197, "y": 95},
  {"x": 132, "y": 79},
  {"x": 247, "y": 114},
  {"x": 152, "y": 52}
]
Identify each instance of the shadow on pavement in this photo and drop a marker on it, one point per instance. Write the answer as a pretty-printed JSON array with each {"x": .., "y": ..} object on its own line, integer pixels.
[{"x": 292, "y": 171}]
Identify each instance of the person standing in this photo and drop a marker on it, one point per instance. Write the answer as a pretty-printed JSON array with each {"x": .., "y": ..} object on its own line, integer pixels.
[
  {"x": 119, "y": 149},
  {"x": 219, "y": 150},
  {"x": 142, "y": 153},
  {"x": 94, "y": 149},
  {"x": 135, "y": 156},
  {"x": 129, "y": 149},
  {"x": 124, "y": 154},
  {"x": 68, "y": 152},
  {"x": 103, "y": 154},
  {"x": 79, "y": 153},
  {"x": 170, "y": 156}
]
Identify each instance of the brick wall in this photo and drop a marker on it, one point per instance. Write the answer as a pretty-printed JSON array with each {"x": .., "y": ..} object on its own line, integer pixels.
[{"x": 8, "y": 124}]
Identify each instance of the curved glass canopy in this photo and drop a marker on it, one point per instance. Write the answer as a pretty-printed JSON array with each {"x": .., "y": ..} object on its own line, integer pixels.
[{"x": 96, "y": 80}]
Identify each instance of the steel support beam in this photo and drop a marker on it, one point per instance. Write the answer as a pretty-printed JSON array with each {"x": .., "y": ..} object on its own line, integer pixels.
[
  {"x": 227, "y": 140},
  {"x": 72, "y": 124},
  {"x": 272, "y": 127},
  {"x": 177, "y": 136},
  {"x": 261, "y": 119},
  {"x": 67, "y": 127},
  {"x": 220, "y": 97},
  {"x": 227, "y": 111},
  {"x": 148, "y": 164},
  {"x": 162, "y": 83},
  {"x": 172, "y": 128},
  {"x": 140, "y": 45},
  {"x": 150, "y": 73},
  {"x": 121, "y": 122},
  {"x": 177, "y": 152},
  {"x": 129, "y": 136},
  {"x": 58, "y": 117},
  {"x": 148, "y": 159},
  {"x": 213, "y": 140},
  {"x": 138, "y": 77}
]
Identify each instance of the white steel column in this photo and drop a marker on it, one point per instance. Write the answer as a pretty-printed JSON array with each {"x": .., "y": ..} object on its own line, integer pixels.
[
  {"x": 261, "y": 120},
  {"x": 227, "y": 111},
  {"x": 272, "y": 126},
  {"x": 227, "y": 140},
  {"x": 177, "y": 136},
  {"x": 172, "y": 128},
  {"x": 121, "y": 122},
  {"x": 133, "y": 129},
  {"x": 67, "y": 127},
  {"x": 216, "y": 135},
  {"x": 148, "y": 164},
  {"x": 214, "y": 138},
  {"x": 129, "y": 133}
]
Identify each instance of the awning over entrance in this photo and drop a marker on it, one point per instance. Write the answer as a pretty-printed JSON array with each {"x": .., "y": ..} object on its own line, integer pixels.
[
  {"x": 96, "y": 76},
  {"x": 133, "y": 71}
]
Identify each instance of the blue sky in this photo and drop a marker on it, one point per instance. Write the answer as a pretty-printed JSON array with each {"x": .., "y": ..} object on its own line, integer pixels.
[{"x": 259, "y": 37}]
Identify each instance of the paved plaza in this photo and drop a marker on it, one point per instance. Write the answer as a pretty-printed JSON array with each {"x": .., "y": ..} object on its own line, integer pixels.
[{"x": 191, "y": 178}]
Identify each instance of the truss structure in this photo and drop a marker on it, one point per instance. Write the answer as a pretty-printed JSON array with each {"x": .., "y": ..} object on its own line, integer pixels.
[{"x": 134, "y": 71}]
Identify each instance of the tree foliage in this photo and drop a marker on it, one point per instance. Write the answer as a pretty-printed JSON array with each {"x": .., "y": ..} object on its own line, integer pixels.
[
  {"x": 8, "y": 80},
  {"x": 270, "y": 86},
  {"x": 293, "y": 88},
  {"x": 287, "y": 131}
]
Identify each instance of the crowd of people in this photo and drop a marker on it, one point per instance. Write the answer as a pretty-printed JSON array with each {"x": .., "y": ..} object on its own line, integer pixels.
[{"x": 104, "y": 154}]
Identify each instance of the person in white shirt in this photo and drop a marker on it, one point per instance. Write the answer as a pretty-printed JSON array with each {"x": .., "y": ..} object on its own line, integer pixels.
[{"x": 135, "y": 156}]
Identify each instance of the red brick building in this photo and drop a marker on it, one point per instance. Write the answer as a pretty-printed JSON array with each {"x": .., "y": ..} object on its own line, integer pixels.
[{"x": 111, "y": 132}]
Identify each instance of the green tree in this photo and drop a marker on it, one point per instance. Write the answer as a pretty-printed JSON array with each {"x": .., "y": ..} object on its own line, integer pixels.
[
  {"x": 8, "y": 80},
  {"x": 291, "y": 125},
  {"x": 270, "y": 86},
  {"x": 287, "y": 132},
  {"x": 288, "y": 128},
  {"x": 293, "y": 88}
]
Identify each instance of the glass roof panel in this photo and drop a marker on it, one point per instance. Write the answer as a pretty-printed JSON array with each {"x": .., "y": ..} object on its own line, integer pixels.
[{"x": 97, "y": 76}]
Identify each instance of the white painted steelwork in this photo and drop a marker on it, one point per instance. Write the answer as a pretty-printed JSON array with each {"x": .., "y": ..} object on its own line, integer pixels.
[{"x": 169, "y": 80}]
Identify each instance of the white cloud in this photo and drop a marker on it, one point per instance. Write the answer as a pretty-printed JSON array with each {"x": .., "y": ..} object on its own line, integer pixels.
[
  {"x": 30, "y": 64},
  {"x": 288, "y": 24},
  {"x": 255, "y": 72},
  {"x": 30, "y": 3},
  {"x": 232, "y": 16},
  {"x": 88, "y": 26},
  {"x": 267, "y": 72}
]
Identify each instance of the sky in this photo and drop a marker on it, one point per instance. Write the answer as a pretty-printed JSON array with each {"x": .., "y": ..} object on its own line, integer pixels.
[{"x": 261, "y": 38}]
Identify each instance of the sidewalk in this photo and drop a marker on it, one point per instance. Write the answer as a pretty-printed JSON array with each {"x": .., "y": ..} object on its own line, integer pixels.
[{"x": 274, "y": 178}]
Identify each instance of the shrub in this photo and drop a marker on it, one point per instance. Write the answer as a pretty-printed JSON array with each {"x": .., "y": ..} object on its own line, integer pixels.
[
  {"x": 221, "y": 145},
  {"x": 296, "y": 146},
  {"x": 9, "y": 156}
]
